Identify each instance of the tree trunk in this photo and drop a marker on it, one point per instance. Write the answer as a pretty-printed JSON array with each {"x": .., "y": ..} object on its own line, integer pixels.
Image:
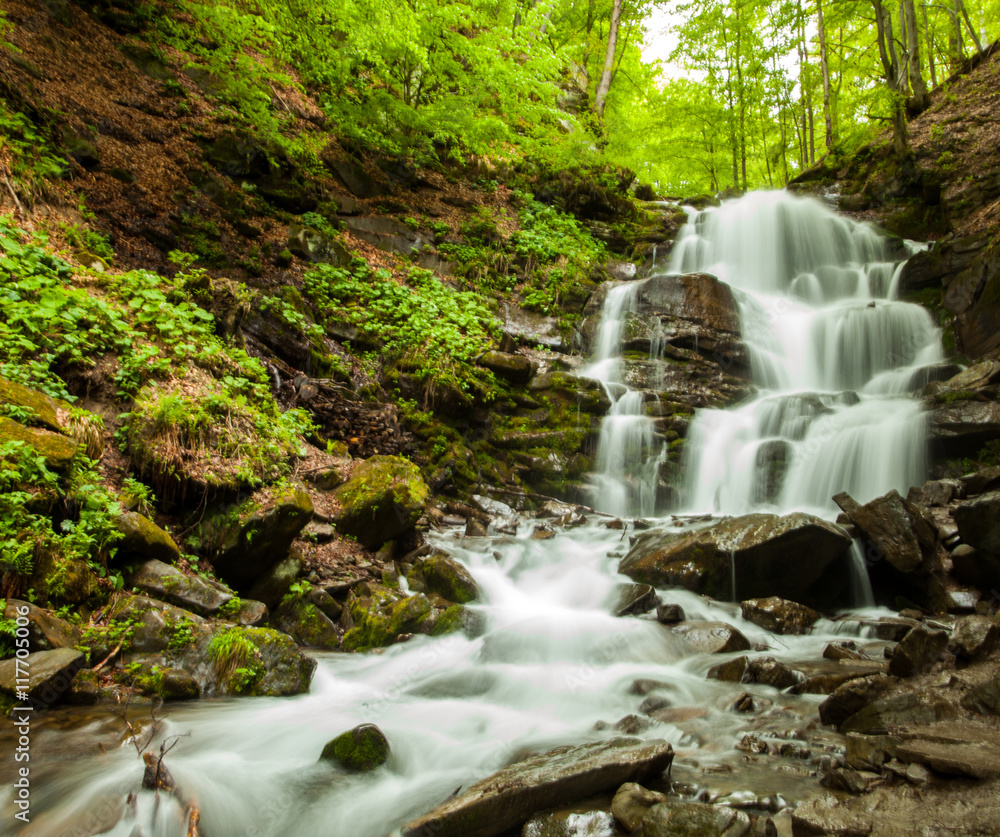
[
  {"x": 921, "y": 99},
  {"x": 930, "y": 46},
  {"x": 959, "y": 49},
  {"x": 893, "y": 76},
  {"x": 604, "y": 85},
  {"x": 825, "y": 66},
  {"x": 959, "y": 4}
]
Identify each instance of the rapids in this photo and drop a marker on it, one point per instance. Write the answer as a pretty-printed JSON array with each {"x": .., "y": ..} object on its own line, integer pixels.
[{"x": 553, "y": 665}]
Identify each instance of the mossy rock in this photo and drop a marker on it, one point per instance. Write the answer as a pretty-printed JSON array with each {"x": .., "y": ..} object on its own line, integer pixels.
[
  {"x": 382, "y": 501},
  {"x": 57, "y": 450},
  {"x": 243, "y": 541},
  {"x": 272, "y": 586},
  {"x": 311, "y": 245},
  {"x": 361, "y": 749},
  {"x": 144, "y": 539},
  {"x": 440, "y": 574},
  {"x": 45, "y": 410},
  {"x": 306, "y": 624},
  {"x": 56, "y": 579},
  {"x": 381, "y": 617}
]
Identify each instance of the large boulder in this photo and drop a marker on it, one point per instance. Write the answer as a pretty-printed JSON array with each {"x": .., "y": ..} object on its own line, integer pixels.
[
  {"x": 978, "y": 522},
  {"x": 143, "y": 539},
  {"x": 560, "y": 777},
  {"x": 306, "y": 624},
  {"x": 49, "y": 675},
  {"x": 767, "y": 555},
  {"x": 44, "y": 411},
  {"x": 381, "y": 501},
  {"x": 900, "y": 532},
  {"x": 45, "y": 631},
  {"x": 219, "y": 659},
  {"x": 440, "y": 574},
  {"x": 695, "y": 312},
  {"x": 962, "y": 427},
  {"x": 244, "y": 540},
  {"x": 313, "y": 246},
  {"x": 169, "y": 584}
]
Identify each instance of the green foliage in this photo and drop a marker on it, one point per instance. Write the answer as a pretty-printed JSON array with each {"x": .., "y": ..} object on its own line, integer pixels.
[
  {"x": 238, "y": 661},
  {"x": 34, "y": 159},
  {"x": 423, "y": 326},
  {"x": 71, "y": 518},
  {"x": 7, "y": 633}
]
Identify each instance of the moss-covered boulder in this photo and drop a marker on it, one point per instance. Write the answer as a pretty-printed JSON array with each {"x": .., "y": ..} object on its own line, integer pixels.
[
  {"x": 440, "y": 574},
  {"x": 45, "y": 631},
  {"x": 515, "y": 368},
  {"x": 306, "y": 624},
  {"x": 361, "y": 749},
  {"x": 143, "y": 539},
  {"x": 245, "y": 540},
  {"x": 169, "y": 584},
  {"x": 57, "y": 450},
  {"x": 222, "y": 659},
  {"x": 44, "y": 410},
  {"x": 57, "y": 579},
  {"x": 311, "y": 245},
  {"x": 381, "y": 501},
  {"x": 378, "y": 616}
]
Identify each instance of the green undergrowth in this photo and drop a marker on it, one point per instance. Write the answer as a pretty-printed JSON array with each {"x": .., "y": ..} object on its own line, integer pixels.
[
  {"x": 57, "y": 531},
  {"x": 419, "y": 324},
  {"x": 237, "y": 659}
]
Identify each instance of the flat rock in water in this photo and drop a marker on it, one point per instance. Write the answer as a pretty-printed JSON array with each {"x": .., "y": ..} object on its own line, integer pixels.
[
  {"x": 779, "y": 615},
  {"x": 508, "y": 798},
  {"x": 684, "y": 819},
  {"x": 712, "y": 637}
]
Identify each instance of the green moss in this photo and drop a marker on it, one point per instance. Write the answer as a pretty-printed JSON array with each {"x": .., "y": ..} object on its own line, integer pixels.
[
  {"x": 57, "y": 450},
  {"x": 362, "y": 749},
  {"x": 449, "y": 621},
  {"x": 237, "y": 658}
]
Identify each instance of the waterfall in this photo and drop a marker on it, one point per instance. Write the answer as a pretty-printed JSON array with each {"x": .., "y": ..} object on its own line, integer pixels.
[
  {"x": 832, "y": 352},
  {"x": 628, "y": 454}
]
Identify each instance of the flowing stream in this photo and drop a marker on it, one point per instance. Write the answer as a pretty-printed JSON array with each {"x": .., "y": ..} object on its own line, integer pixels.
[{"x": 553, "y": 665}]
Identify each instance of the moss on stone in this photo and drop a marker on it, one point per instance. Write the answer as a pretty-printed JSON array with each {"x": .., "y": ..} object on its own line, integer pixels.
[
  {"x": 383, "y": 500},
  {"x": 57, "y": 450},
  {"x": 41, "y": 406},
  {"x": 361, "y": 749}
]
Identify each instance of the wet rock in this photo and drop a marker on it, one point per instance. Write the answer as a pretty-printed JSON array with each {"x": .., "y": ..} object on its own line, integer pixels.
[
  {"x": 825, "y": 818},
  {"x": 890, "y": 628},
  {"x": 731, "y": 671},
  {"x": 963, "y": 427},
  {"x": 508, "y": 798},
  {"x": 382, "y": 501},
  {"x": 531, "y": 328},
  {"x": 951, "y": 758},
  {"x": 769, "y": 672},
  {"x": 935, "y": 493},
  {"x": 898, "y": 709},
  {"x": 712, "y": 637},
  {"x": 440, "y": 574},
  {"x": 306, "y": 624},
  {"x": 683, "y": 819},
  {"x": 974, "y": 638},
  {"x": 978, "y": 522},
  {"x": 476, "y": 528},
  {"x": 899, "y": 530},
  {"x": 852, "y": 697},
  {"x": 984, "y": 698},
  {"x": 251, "y": 614},
  {"x": 850, "y": 781},
  {"x": 170, "y": 585},
  {"x": 555, "y": 508},
  {"x": 635, "y": 599},
  {"x": 917, "y": 652},
  {"x": 361, "y": 749},
  {"x": 244, "y": 541},
  {"x": 632, "y": 802},
  {"x": 766, "y": 550},
  {"x": 779, "y": 616},
  {"x": 46, "y": 632},
  {"x": 272, "y": 586},
  {"x": 327, "y": 605},
  {"x": 49, "y": 674},
  {"x": 57, "y": 450},
  {"x": 670, "y": 614},
  {"x": 515, "y": 368},
  {"x": 842, "y": 651},
  {"x": 869, "y": 752},
  {"x": 143, "y": 539}
]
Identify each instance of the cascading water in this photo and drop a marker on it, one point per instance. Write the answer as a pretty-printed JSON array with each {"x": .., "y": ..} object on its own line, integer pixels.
[
  {"x": 832, "y": 351},
  {"x": 628, "y": 454},
  {"x": 552, "y": 665}
]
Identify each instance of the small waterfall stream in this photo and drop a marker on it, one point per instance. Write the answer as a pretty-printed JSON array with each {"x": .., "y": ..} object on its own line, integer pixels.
[{"x": 553, "y": 665}]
